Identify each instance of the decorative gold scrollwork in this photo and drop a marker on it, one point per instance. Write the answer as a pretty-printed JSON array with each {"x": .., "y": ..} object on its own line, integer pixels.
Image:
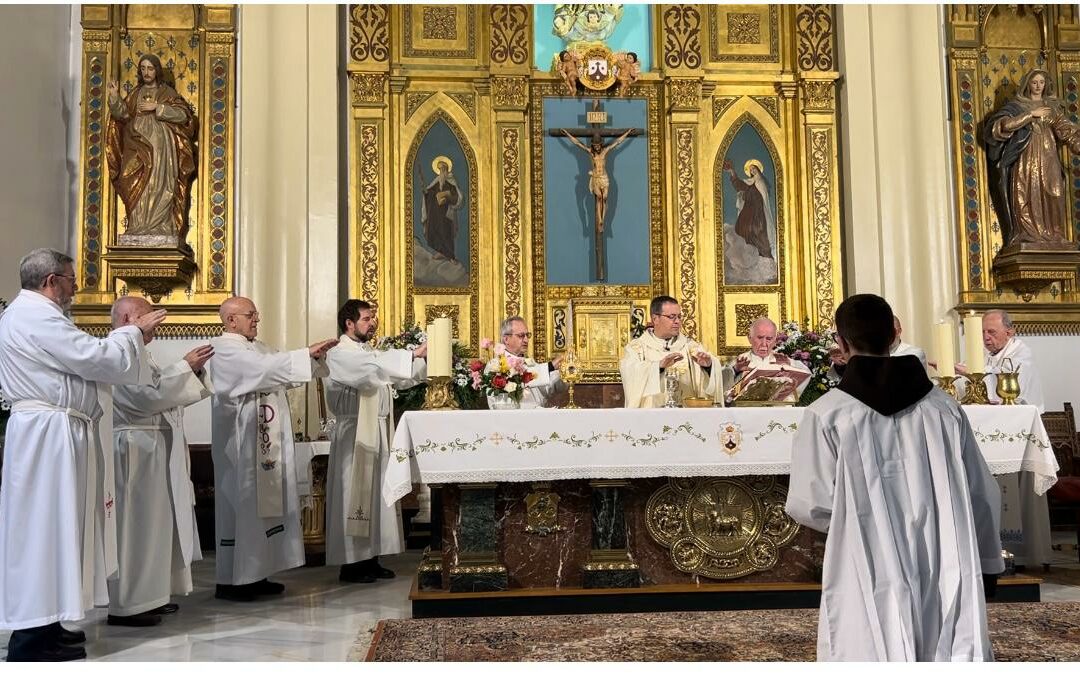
[{"x": 721, "y": 528}]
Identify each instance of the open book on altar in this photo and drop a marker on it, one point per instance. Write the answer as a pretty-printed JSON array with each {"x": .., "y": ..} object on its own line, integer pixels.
[{"x": 775, "y": 385}]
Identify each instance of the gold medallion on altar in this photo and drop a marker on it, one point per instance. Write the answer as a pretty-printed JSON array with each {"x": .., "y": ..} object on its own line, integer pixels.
[
  {"x": 721, "y": 528},
  {"x": 730, "y": 438},
  {"x": 597, "y": 69}
]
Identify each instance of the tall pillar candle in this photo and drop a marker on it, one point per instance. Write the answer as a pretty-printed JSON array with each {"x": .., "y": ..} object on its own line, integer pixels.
[
  {"x": 973, "y": 344},
  {"x": 444, "y": 332},
  {"x": 945, "y": 348},
  {"x": 431, "y": 349}
]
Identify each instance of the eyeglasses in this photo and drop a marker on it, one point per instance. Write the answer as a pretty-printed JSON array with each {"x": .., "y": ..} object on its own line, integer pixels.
[
  {"x": 520, "y": 336},
  {"x": 250, "y": 316},
  {"x": 672, "y": 317},
  {"x": 66, "y": 276}
]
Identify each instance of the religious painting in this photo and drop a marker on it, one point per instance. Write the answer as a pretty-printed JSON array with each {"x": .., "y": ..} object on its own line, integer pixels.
[
  {"x": 577, "y": 252},
  {"x": 440, "y": 175},
  {"x": 745, "y": 182},
  {"x": 622, "y": 28}
]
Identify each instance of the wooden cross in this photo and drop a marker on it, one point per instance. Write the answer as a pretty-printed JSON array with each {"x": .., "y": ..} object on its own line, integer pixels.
[{"x": 599, "y": 180}]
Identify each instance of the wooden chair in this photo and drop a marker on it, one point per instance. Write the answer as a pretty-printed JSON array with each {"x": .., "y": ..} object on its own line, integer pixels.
[{"x": 1064, "y": 498}]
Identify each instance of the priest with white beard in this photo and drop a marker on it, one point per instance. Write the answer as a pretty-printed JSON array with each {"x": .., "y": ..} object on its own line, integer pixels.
[
  {"x": 546, "y": 379},
  {"x": 359, "y": 391},
  {"x": 1025, "y": 519},
  {"x": 887, "y": 465},
  {"x": 57, "y": 524},
  {"x": 155, "y": 501},
  {"x": 647, "y": 358},
  {"x": 257, "y": 510},
  {"x": 762, "y": 355}
]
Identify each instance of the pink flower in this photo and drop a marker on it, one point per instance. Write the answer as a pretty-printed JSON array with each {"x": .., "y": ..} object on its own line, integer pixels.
[
  {"x": 500, "y": 349},
  {"x": 476, "y": 381},
  {"x": 781, "y": 337},
  {"x": 486, "y": 343}
]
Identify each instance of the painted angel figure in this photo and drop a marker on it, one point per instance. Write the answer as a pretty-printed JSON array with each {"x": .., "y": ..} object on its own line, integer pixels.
[
  {"x": 627, "y": 71},
  {"x": 569, "y": 65}
]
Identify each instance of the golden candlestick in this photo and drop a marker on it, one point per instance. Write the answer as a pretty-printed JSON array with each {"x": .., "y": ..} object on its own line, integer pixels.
[
  {"x": 571, "y": 375},
  {"x": 976, "y": 390},
  {"x": 946, "y": 384},
  {"x": 439, "y": 395}
]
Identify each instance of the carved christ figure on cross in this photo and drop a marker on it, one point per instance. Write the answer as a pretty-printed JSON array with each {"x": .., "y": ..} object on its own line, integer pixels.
[{"x": 599, "y": 184}]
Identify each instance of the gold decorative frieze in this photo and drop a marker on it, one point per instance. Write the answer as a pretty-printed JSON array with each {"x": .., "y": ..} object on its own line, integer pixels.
[
  {"x": 682, "y": 36},
  {"x": 721, "y": 528},
  {"x": 510, "y": 92},
  {"x": 166, "y": 331},
  {"x": 439, "y": 31},
  {"x": 511, "y": 213},
  {"x": 451, "y": 312},
  {"x": 467, "y": 101},
  {"x": 686, "y": 212},
  {"x": 819, "y": 95},
  {"x": 684, "y": 93},
  {"x": 744, "y": 29},
  {"x": 720, "y": 105},
  {"x": 367, "y": 209},
  {"x": 415, "y": 99},
  {"x": 745, "y": 315},
  {"x": 771, "y": 104},
  {"x": 368, "y": 88},
  {"x": 510, "y": 38},
  {"x": 814, "y": 29},
  {"x": 744, "y": 33},
  {"x": 369, "y": 33},
  {"x": 440, "y": 23},
  {"x": 821, "y": 188}
]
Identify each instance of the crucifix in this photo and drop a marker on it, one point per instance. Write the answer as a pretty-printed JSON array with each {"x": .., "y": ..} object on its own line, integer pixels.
[{"x": 599, "y": 181}]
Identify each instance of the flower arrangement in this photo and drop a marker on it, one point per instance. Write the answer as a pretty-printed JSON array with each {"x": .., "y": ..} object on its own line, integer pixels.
[
  {"x": 811, "y": 347},
  {"x": 410, "y": 338},
  {"x": 413, "y": 397},
  {"x": 502, "y": 374}
]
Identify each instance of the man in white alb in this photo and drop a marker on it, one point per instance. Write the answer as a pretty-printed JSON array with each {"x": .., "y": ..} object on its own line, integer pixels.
[
  {"x": 762, "y": 354},
  {"x": 257, "y": 509},
  {"x": 155, "y": 502},
  {"x": 359, "y": 391},
  {"x": 57, "y": 520}
]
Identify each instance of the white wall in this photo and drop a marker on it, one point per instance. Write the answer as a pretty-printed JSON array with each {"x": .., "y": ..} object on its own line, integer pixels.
[
  {"x": 1059, "y": 368},
  {"x": 40, "y": 113}
]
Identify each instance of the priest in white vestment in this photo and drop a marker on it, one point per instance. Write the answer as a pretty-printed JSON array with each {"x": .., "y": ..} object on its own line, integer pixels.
[
  {"x": 155, "y": 502},
  {"x": 546, "y": 379},
  {"x": 647, "y": 359},
  {"x": 1025, "y": 516},
  {"x": 257, "y": 509},
  {"x": 762, "y": 355},
  {"x": 57, "y": 525},
  {"x": 359, "y": 391},
  {"x": 887, "y": 465}
]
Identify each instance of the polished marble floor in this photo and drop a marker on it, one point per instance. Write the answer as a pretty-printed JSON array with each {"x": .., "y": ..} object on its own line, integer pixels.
[{"x": 318, "y": 618}]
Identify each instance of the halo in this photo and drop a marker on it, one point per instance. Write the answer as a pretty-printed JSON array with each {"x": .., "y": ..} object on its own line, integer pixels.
[
  {"x": 750, "y": 163},
  {"x": 441, "y": 158}
]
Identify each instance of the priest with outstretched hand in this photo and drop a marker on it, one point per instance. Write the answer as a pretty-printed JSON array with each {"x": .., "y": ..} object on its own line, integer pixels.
[
  {"x": 661, "y": 347},
  {"x": 257, "y": 510},
  {"x": 887, "y": 465}
]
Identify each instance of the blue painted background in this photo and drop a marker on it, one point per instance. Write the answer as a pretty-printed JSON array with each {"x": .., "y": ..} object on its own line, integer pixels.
[
  {"x": 633, "y": 34},
  {"x": 569, "y": 207},
  {"x": 441, "y": 141}
]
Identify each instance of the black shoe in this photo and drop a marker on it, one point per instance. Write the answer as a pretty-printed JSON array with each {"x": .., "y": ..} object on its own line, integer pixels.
[
  {"x": 69, "y": 637},
  {"x": 242, "y": 593},
  {"x": 267, "y": 587},
  {"x": 50, "y": 653},
  {"x": 144, "y": 620},
  {"x": 355, "y": 576},
  {"x": 373, "y": 568},
  {"x": 167, "y": 608}
]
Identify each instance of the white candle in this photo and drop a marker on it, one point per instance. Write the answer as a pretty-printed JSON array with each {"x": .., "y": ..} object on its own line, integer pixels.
[
  {"x": 431, "y": 349},
  {"x": 945, "y": 348},
  {"x": 973, "y": 344},
  {"x": 444, "y": 333}
]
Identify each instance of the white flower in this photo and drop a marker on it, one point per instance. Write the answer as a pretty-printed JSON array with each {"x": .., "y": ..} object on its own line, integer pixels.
[{"x": 511, "y": 387}]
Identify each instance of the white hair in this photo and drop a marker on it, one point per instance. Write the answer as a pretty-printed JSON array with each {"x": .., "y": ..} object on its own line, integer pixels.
[
  {"x": 37, "y": 265},
  {"x": 760, "y": 320}
]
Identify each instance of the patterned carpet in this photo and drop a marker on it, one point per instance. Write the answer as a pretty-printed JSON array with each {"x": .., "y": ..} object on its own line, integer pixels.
[{"x": 1020, "y": 632}]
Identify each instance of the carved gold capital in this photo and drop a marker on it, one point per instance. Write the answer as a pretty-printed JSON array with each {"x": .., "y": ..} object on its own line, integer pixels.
[
  {"x": 510, "y": 92},
  {"x": 368, "y": 88},
  {"x": 819, "y": 95},
  {"x": 684, "y": 93}
]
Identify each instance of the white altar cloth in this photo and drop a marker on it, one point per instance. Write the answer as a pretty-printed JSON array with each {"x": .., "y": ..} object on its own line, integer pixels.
[{"x": 544, "y": 444}]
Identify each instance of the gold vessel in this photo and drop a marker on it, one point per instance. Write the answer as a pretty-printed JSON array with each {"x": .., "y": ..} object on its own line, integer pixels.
[
  {"x": 1008, "y": 383},
  {"x": 976, "y": 390}
]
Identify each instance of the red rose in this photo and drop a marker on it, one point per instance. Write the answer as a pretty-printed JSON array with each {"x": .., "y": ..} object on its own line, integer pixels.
[
  {"x": 476, "y": 364},
  {"x": 527, "y": 377},
  {"x": 499, "y": 381}
]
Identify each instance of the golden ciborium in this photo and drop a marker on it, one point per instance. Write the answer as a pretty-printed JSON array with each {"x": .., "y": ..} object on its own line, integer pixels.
[
  {"x": 1008, "y": 383},
  {"x": 571, "y": 374}
]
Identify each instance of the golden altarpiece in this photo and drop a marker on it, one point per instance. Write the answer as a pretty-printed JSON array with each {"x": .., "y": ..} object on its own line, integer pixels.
[
  {"x": 196, "y": 45},
  {"x": 991, "y": 48},
  {"x": 473, "y": 73}
]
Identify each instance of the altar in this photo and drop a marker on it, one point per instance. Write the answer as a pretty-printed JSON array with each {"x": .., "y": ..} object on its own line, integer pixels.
[{"x": 616, "y": 509}]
